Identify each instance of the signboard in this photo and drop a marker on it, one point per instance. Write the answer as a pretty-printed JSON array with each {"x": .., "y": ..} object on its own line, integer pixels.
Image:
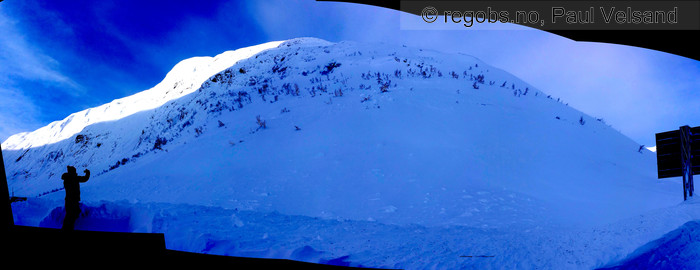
[{"x": 669, "y": 153}]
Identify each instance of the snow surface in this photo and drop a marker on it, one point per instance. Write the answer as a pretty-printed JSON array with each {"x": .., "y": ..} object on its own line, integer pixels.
[
  {"x": 677, "y": 249},
  {"x": 392, "y": 156},
  {"x": 245, "y": 233}
]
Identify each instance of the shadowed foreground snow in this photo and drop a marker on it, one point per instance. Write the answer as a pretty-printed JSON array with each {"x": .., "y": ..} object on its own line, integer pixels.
[
  {"x": 234, "y": 232},
  {"x": 678, "y": 249}
]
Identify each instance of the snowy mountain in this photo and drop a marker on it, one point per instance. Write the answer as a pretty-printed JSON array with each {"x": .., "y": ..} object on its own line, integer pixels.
[{"x": 349, "y": 132}]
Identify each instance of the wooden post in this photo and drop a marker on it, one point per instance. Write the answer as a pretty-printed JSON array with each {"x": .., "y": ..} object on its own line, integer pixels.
[
  {"x": 686, "y": 157},
  {"x": 8, "y": 221}
]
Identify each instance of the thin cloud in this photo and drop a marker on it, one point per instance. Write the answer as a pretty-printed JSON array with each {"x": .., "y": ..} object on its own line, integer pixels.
[
  {"x": 20, "y": 59},
  {"x": 17, "y": 112}
]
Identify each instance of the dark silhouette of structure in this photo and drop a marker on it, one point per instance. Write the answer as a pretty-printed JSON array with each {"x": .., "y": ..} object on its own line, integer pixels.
[
  {"x": 678, "y": 154},
  {"x": 71, "y": 183},
  {"x": 6, "y": 209}
]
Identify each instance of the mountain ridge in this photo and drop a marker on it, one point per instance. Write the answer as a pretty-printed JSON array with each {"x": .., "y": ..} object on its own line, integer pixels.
[
  {"x": 404, "y": 135},
  {"x": 144, "y": 100}
]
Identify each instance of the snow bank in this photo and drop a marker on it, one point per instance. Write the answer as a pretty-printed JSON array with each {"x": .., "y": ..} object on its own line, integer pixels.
[{"x": 233, "y": 232}]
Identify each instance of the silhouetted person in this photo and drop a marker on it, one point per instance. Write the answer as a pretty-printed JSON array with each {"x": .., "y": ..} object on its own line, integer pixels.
[{"x": 71, "y": 182}]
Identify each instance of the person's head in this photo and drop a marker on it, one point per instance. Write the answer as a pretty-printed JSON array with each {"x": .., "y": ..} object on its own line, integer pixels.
[{"x": 71, "y": 169}]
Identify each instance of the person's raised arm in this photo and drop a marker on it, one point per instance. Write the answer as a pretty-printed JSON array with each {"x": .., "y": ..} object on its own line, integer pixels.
[{"x": 84, "y": 179}]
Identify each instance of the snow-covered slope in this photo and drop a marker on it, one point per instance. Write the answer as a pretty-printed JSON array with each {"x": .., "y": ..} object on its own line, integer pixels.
[{"x": 365, "y": 132}]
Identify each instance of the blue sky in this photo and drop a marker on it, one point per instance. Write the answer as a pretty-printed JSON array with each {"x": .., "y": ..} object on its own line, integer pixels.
[{"x": 60, "y": 57}]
